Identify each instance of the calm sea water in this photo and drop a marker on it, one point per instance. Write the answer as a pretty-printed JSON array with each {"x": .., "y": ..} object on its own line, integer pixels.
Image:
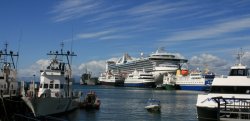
[{"x": 127, "y": 104}]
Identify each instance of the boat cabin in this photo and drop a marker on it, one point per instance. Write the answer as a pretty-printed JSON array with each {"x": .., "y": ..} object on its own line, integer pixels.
[
  {"x": 228, "y": 85},
  {"x": 239, "y": 72},
  {"x": 8, "y": 84},
  {"x": 53, "y": 80}
]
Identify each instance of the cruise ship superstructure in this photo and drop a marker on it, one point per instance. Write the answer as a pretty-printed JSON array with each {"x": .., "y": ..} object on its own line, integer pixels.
[{"x": 159, "y": 63}]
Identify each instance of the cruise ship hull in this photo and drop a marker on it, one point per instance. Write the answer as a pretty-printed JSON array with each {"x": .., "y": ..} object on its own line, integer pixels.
[
  {"x": 50, "y": 105},
  {"x": 112, "y": 83}
]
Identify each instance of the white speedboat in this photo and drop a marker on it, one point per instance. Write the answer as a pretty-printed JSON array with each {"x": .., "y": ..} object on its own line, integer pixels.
[
  {"x": 153, "y": 105},
  {"x": 228, "y": 96},
  {"x": 55, "y": 93},
  {"x": 140, "y": 79}
]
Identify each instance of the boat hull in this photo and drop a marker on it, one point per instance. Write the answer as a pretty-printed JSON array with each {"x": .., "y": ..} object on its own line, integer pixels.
[
  {"x": 153, "y": 108},
  {"x": 207, "y": 114},
  {"x": 50, "y": 105},
  {"x": 170, "y": 87},
  {"x": 111, "y": 83},
  {"x": 148, "y": 84},
  {"x": 193, "y": 87}
]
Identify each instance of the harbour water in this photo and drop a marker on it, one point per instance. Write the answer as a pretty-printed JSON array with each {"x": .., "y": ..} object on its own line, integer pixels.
[{"x": 127, "y": 104}]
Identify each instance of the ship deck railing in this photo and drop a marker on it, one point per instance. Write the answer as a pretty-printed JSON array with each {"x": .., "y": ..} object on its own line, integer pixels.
[{"x": 232, "y": 108}]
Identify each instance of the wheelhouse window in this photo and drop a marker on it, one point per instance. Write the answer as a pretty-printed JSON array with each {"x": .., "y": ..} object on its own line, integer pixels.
[
  {"x": 56, "y": 86},
  {"x": 238, "y": 72},
  {"x": 45, "y": 86},
  {"x": 230, "y": 89},
  {"x": 51, "y": 86}
]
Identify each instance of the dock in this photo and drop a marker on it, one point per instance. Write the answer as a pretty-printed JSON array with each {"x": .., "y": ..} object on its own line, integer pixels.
[{"x": 232, "y": 109}]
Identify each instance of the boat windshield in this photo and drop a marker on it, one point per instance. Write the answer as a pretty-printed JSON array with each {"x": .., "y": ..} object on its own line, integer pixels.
[
  {"x": 239, "y": 72},
  {"x": 230, "y": 89}
]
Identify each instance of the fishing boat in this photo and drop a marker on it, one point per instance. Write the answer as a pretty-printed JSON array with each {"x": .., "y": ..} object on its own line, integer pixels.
[
  {"x": 153, "y": 105},
  {"x": 8, "y": 82},
  {"x": 140, "y": 79},
  {"x": 228, "y": 98},
  {"x": 9, "y": 89},
  {"x": 55, "y": 93},
  {"x": 91, "y": 101}
]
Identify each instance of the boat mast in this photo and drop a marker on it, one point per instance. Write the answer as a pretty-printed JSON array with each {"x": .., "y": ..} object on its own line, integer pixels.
[
  {"x": 239, "y": 56},
  {"x": 67, "y": 54}
]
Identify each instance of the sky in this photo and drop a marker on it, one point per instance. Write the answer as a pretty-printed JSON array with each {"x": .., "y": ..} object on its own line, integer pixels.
[{"x": 206, "y": 32}]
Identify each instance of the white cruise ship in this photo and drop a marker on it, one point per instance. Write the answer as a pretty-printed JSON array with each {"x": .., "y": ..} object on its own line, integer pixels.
[
  {"x": 159, "y": 63},
  {"x": 139, "y": 79}
]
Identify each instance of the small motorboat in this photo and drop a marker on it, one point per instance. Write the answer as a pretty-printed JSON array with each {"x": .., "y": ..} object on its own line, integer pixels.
[
  {"x": 153, "y": 105},
  {"x": 91, "y": 101}
]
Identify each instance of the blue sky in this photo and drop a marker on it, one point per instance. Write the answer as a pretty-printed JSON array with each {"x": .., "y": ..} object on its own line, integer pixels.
[{"x": 207, "y": 32}]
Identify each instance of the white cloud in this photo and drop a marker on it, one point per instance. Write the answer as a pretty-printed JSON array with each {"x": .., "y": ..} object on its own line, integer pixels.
[
  {"x": 246, "y": 58},
  {"x": 43, "y": 62},
  {"x": 211, "y": 31},
  {"x": 94, "y": 34},
  {"x": 178, "y": 55},
  {"x": 213, "y": 63},
  {"x": 72, "y": 9},
  {"x": 95, "y": 67},
  {"x": 34, "y": 68}
]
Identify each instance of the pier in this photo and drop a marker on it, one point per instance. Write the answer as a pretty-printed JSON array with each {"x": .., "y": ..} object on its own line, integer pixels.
[{"x": 233, "y": 109}]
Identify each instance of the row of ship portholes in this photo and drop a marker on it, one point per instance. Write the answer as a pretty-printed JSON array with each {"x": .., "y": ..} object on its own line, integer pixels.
[{"x": 192, "y": 82}]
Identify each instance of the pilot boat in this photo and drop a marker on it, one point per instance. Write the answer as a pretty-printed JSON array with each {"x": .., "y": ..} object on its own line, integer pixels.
[{"x": 228, "y": 98}]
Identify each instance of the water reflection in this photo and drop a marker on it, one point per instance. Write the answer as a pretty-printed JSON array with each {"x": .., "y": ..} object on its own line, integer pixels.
[{"x": 123, "y": 104}]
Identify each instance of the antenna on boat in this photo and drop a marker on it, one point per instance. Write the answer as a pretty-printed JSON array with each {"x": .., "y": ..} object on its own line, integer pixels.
[
  {"x": 62, "y": 45},
  {"x": 239, "y": 56},
  {"x": 5, "y": 51},
  {"x": 19, "y": 40},
  {"x": 72, "y": 40}
]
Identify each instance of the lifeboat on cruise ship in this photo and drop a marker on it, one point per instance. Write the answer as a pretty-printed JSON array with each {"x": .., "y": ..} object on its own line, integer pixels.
[{"x": 184, "y": 72}]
